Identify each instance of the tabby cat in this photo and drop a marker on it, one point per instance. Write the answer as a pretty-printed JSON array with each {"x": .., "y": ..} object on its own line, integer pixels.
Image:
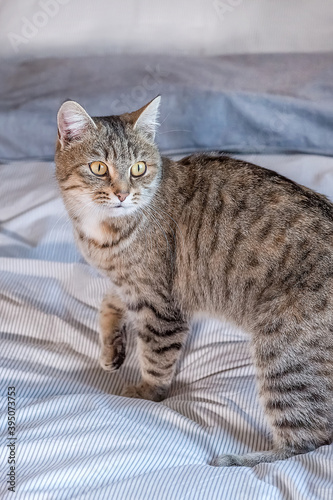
[{"x": 208, "y": 234}]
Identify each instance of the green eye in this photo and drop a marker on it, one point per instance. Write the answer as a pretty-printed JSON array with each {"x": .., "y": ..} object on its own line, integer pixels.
[
  {"x": 139, "y": 168},
  {"x": 98, "y": 168}
]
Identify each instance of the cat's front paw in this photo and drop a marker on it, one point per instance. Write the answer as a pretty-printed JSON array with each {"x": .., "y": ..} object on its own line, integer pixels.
[
  {"x": 145, "y": 391},
  {"x": 107, "y": 364},
  {"x": 112, "y": 357}
]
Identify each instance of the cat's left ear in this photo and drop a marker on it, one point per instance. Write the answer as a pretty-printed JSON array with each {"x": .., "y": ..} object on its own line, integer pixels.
[
  {"x": 145, "y": 119},
  {"x": 73, "y": 122}
]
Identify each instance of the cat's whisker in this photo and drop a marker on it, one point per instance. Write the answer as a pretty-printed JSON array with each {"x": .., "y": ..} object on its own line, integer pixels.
[
  {"x": 75, "y": 213},
  {"x": 78, "y": 213},
  {"x": 64, "y": 215},
  {"x": 166, "y": 117},
  {"x": 59, "y": 231},
  {"x": 175, "y": 130},
  {"x": 67, "y": 220}
]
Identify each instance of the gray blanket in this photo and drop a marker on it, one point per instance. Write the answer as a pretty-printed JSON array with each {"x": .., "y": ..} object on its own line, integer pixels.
[{"x": 249, "y": 104}]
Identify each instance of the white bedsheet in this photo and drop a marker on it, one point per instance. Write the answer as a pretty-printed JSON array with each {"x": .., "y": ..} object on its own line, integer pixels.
[{"x": 76, "y": 437}]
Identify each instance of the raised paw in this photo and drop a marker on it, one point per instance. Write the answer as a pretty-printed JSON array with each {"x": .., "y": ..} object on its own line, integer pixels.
[
  {"x": 145, "y": 391},
  {"x": 107, "y": 364},
  {"x": 112, "y": 357}
]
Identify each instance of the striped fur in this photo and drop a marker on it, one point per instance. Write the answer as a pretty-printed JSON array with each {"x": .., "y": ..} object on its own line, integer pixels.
[{"x": 216, "y": 235}]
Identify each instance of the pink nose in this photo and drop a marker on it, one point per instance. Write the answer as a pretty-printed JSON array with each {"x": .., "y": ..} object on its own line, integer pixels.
[{"x": 122, "y": 196}]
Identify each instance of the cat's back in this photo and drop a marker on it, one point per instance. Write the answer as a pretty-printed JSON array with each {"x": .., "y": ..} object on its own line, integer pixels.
[
  {"x": 253, "y": 233},
  {"x": 240, "y": 187}
]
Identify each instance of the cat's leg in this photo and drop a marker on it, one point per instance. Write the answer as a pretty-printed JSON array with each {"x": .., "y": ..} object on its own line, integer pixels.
[
  {"x": 294, "y": 388},
  {"x": 160, "y": 338},
  {"x": 112, "y": 333}
]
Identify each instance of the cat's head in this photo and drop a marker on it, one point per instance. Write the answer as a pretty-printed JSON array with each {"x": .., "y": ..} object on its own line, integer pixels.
[{"x": 109, "y": 166}]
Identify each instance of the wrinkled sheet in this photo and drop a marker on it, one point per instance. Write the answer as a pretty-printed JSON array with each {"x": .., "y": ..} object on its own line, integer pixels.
[
  {"x": 76, "y": 437},
  {"x": 263, "y": 103}
]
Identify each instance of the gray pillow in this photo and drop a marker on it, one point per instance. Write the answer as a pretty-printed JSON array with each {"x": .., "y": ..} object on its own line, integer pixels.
[{"x": 249, "y": 104}]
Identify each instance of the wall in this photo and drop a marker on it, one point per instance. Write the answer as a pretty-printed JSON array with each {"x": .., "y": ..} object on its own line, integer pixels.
[{"x": 54, "y": 27}]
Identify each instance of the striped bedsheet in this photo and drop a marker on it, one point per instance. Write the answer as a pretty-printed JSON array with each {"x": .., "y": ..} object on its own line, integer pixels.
[{"x": 74, "y": 436}]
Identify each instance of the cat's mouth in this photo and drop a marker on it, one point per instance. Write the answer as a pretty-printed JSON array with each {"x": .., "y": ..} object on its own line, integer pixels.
[
  {"x": 116, "y": 205},
  {"x": 120, "y": 205},
  {"x": 121, "y": 209}
]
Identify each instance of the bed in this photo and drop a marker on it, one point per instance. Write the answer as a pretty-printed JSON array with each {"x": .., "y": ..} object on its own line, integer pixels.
[{"x": 76, "y": 437}]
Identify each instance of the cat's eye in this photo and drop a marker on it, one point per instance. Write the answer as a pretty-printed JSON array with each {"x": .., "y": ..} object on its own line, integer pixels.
[
  {"x": 98, "y": 168},
  {"x": 139, "y": 168}
]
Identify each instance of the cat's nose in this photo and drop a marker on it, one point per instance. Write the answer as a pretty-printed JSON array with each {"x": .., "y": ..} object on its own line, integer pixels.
[{"x": 122, "y": 196}]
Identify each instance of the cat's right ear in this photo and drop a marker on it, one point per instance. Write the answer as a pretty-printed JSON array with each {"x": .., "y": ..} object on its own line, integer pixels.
[
  {"x": 73, "y": 122},
  {"x": 145, "y": 119}
]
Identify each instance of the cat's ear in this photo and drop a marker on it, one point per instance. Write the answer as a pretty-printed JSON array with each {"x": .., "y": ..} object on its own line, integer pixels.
[
  {"x": 73, "y": 122},
  {"x": 145, "y": 119}
]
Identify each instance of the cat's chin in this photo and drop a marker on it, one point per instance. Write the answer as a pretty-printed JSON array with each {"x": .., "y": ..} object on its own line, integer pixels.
[{"x": 119, "y": 211}]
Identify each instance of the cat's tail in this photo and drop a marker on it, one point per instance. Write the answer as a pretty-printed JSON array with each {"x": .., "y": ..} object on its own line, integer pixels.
[{"x": 255, "y": 458}]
